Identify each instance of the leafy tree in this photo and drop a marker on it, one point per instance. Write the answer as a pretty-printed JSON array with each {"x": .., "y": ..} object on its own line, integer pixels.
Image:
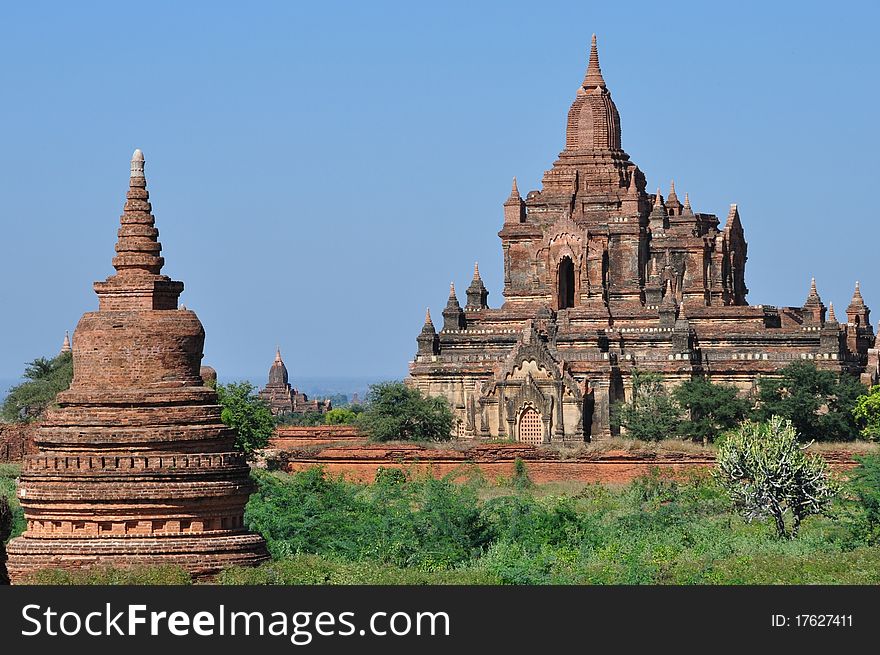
[
  {"x": 341, "y": 416},
  {"x": 711, "y": 408},
  {"x": 247, "y": 414},
  {"x": 395, "y": 411},
  {"x": 819, "y": 404},
  {"x": 767, "y": 473},
  {"x": 652, "y": 414},
  {"x": 867, "y": 413},
  {"x": 45, "y": 378}
]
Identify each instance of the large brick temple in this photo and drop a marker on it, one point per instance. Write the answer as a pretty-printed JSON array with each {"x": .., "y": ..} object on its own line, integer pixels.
[
  {"x": 134, "y": 464},
  {"x": 601, "y": 279}
]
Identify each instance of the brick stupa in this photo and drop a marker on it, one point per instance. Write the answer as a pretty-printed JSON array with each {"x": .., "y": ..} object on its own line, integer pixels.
[{"x": 134, "y": 464}]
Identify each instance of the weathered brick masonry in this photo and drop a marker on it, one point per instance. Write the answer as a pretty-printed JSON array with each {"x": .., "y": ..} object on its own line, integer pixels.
[
  {"x": 602, "y": 278},
  {"x": 134, "y": 465},
  {"x": 16, "y": 441}
]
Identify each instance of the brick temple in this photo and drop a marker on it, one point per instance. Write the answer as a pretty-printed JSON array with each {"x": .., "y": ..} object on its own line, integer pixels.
[
  {"x": 285, "y": 399},
  {"x": 134, "y": 464},
  {"x": 602, "y": 278}
]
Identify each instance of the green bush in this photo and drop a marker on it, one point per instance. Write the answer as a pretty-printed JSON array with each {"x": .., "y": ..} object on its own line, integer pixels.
[
  {"x": 341, "y": 416},
  {"x": 864, "y": 487},
  {"x": 711, "y": 408},
  {"x": 867, "y": 414},
  {"x": 8, "y": 475},
  {"x": 820, "y": 404},
  {"x": 107, "y": 575},
  {"x": 425, "y": 523},
  {"x": 247, "y": 414},
  {"x": 314, "y": 569},
  {"x": 652, "y": 413},
  {"x": 395, "y": 411},
  {"x": 767, "y": 474}
]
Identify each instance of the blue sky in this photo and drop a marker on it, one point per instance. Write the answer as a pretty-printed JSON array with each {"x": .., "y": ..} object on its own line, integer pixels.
[{"x": 320, "y": 172}]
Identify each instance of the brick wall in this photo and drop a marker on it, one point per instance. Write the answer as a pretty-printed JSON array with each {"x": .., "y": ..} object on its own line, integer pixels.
[{"x": 16, "y": 441}]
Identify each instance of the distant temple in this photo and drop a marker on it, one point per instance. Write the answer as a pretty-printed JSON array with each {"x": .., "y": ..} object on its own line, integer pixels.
[
  {"x": 602, "y": 279},
  {"x": 284, "y": 399}
]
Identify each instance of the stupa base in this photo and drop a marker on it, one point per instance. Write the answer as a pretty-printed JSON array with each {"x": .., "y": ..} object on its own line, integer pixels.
[{"x": 203, "y": 556}]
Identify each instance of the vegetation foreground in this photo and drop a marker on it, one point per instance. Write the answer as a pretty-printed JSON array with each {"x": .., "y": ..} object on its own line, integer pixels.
[{"x": 417, "y": 530}]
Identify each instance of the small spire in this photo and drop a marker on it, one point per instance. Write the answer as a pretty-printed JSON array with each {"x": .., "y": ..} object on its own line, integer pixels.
[
  {"x": 687, "y": 201},
  {"x": 514, "y": 191},
  {"x": 476, "y": 270},
  {"x": 813, "y": 297},
  {"x": 452, "y": 289},
  {"x": 831, "y": 317},
  {"x": 732, "y": 216},
  {"x": 428, "y": 320},
  {"x": 65, "y": 347},
  {"x": 137, "y": 163},
  {"x": 672, "y": 198},
  {"x": 593, "y": 78},
  {"x": 633, "y": 189},
  {"x": 659, "y": 199},
  {"x": 857, "y": 297},
  {"x": 278, "y": 355}
]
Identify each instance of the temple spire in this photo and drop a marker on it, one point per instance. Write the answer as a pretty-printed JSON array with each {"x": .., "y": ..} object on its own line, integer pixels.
[
  {"x": 514, "y": 191},
  {"x": 671, "y": 197},
  {"x": 687, "y": 202},
  {"x": 428, "y": 320},
  {"x": 138, "y": 247},
  {"x": 278, "y": 359},
  {"x": 477, "y": 295},
  {"x": 593, "y": 78},
  {"x": 814, "y": 293},
  {"x": 65, "y": 347},
  {"x": 732, "y": 216},
  {"x": 857, "y": 295},
  {"x": 831, "y": 317}
]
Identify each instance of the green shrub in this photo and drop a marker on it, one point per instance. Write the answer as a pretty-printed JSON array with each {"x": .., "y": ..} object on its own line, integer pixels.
[
  {"x": 652, "y": 413},
  {"x": 867, "y": 414},
  {"x": 314, "y": 569},
  {"x": 711, "y": 408},
  {"x": 767, "y": 474},
  {"x": 820, "y": 404},
  {"x": 395, "y": 411},
  {"x": 107, "y": 575},
  {"x": 247, "y": 414},
  {"x": 864, "y": 487}
]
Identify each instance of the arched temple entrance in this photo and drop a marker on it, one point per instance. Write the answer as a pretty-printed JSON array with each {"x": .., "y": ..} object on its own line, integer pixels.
[
  {"x": 531, "y": 428},
  {"x": 566, "y": 283}
]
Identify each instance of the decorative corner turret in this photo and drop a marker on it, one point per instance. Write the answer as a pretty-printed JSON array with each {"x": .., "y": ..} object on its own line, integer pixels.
[
  {"x": 453, "y": 314},
  {"x": 477, "y": 294},
  {"x": 428, "y": 339},
  {"x": 514, "y": 207}
]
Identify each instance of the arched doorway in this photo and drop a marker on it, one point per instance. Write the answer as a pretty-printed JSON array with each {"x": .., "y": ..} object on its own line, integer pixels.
[
  {"x": 566, "y": 283},
  {"x": 531, "y": 428}
]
